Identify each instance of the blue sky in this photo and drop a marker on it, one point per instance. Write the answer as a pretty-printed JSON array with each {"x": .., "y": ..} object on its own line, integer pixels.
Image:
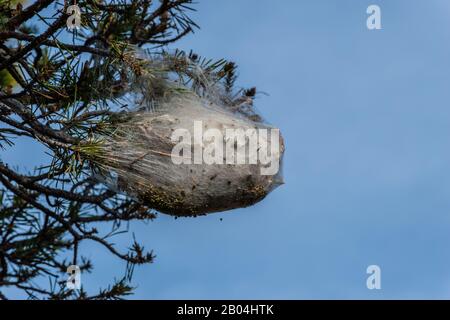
[{"x": 366, "y": 119}]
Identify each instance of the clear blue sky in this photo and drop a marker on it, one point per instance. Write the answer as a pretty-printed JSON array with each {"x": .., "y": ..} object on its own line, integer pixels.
[{"x": 366, "y": 119}]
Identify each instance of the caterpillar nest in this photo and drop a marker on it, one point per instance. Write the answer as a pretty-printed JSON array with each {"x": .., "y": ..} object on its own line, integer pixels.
[{"x": 185, "y": 151}]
